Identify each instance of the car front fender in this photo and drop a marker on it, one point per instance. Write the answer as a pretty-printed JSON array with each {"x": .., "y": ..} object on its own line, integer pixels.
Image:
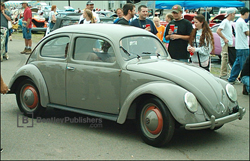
[
  {"x": 173, "y": 97},
  {"x": 30, "y": 71}
]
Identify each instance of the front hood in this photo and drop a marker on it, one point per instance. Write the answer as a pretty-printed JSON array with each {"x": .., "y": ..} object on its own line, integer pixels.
[{"x": 208, "y": 91}]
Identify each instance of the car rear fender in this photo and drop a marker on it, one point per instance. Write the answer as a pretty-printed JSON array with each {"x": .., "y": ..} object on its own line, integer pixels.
[
  {"x": 171, "y": 94},
  {"x": 30, "y": 71}
]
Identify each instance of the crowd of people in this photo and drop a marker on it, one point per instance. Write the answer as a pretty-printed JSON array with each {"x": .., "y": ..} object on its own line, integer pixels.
[{"x": 183, "y": 41}]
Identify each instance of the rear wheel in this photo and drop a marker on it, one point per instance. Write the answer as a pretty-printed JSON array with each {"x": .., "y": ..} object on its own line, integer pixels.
[
  {"x": 28, "y": 99},
  {"x": 155, "y": 123}
]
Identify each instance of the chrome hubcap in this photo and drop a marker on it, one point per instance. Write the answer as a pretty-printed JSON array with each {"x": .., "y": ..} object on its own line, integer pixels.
[
  {"x": 29, "y": 98},
  {"x": 151, "y": 121}
]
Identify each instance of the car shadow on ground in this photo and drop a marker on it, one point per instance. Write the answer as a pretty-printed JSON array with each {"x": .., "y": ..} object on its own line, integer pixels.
[{"x": 128, "y": 131}]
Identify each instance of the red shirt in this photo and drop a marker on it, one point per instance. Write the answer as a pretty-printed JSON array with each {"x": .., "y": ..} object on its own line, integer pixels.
[{"x": 27, "y": 14}]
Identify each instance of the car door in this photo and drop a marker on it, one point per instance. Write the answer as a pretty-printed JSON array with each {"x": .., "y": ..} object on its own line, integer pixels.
[
  {"x": 93, "y": 76},
  {"x": 52, "y": 64}
]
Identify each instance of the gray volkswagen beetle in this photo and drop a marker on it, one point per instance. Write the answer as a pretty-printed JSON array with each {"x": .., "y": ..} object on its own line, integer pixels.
[{"x": 118, "y": 73}]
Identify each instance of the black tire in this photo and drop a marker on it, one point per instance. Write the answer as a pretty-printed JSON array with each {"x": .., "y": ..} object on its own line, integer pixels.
[
  {"x": 28, "y": 99},
  {"x": 162, "y": 126}
]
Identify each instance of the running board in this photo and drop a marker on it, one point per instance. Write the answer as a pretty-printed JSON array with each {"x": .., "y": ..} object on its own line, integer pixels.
[{"x": 111, "y": 117}]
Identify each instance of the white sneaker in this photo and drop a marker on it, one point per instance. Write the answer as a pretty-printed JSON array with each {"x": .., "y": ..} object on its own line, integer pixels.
[
  {"x": 224, "y": 77},
  {"x": 235, "y": 82},
  {"x": 6, "y": 56}
]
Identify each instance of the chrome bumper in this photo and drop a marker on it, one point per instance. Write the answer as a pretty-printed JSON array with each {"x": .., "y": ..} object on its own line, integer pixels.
[{"x": 216, "y": 122}]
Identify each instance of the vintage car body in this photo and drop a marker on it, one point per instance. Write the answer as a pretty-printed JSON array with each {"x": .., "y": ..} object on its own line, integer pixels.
[{"x": 134, "y": 83}]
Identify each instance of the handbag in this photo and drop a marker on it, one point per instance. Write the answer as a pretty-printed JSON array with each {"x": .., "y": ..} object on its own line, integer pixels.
[
  {"x": 9, "y": 24},
  {"x": 208, "y": 66}
]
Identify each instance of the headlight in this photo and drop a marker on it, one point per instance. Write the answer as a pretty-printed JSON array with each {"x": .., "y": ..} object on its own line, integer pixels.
[
  {"x": 191, "y": 102},
  {"x": 231, "y": 92}
]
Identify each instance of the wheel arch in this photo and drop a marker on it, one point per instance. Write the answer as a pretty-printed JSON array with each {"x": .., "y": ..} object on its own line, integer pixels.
[
  {"x": 30, "y": 72},
  {"x": 160, "y": 90},
  {"x": 171, "y": 95}
]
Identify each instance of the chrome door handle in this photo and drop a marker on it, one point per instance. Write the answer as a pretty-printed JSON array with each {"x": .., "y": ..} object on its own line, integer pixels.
[{"x": 71, "y": 68}]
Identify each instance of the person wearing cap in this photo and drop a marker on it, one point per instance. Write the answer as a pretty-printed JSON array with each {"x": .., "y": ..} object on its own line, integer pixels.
[
  {"x": 129, "y": 12},
  {"x": 90, "y": 6},
  {"x": 5, "y": 17},
  {"x": 178, "y": 39},
  {"x": 226, "y": 39},
  {"x": 26, "y": 27},
  {"x": 142, "y": 21},
  {"x": 241, "y": 45}
]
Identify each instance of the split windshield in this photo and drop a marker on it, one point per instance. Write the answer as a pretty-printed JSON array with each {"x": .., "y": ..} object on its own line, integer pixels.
[{"x": 144, "y": 47}]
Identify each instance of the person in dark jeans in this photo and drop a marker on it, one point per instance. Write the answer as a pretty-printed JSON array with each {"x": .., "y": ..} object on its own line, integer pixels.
[
  {"x": 245, "y": 77},
  {"x": 5, "y": 17}
]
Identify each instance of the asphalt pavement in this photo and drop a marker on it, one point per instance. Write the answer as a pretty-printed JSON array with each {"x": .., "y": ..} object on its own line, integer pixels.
[{"x": 108, "y": 140}]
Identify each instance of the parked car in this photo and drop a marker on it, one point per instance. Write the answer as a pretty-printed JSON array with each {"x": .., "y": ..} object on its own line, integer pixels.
[
  {"x": 121, "y": 72},
  {"x": 107, "y": 14},
  {"x": 217, "y": 43},
  {"x": 38, "y": 23},
  {"x": 64, "y": 13},
  {"x": 188, "y": 16},
  {"x": 65, "y": 21},
  {"x": 219, "y": 18},
  {"x": 73, "y": 18}
]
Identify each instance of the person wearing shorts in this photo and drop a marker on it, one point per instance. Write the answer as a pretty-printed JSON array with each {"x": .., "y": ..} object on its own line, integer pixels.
[{"x": 26, "y": 27}]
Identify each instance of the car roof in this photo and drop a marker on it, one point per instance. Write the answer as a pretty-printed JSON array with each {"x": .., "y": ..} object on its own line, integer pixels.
[{"x": 111, "y": 31}]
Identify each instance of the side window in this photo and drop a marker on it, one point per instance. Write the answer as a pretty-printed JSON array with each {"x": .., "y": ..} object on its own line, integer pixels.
[
  {"x": 91, "y": 49},
  {"x": 56, "y": 48}
]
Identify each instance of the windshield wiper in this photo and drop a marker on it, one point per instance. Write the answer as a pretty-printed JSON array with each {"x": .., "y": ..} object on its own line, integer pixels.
[{"x": 125, "y": 51}]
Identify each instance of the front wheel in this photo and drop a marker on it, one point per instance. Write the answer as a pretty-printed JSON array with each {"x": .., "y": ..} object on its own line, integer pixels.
[
  {"x": 155, "y": 123},
  {"x": 28, "y": 99}
]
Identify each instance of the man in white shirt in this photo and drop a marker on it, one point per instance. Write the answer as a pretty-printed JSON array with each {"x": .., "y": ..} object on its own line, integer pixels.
[
  {"x": 226, "y": 39},
  {"x": 90, "y": 6},
  {"x": 241, "y": 45}
]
